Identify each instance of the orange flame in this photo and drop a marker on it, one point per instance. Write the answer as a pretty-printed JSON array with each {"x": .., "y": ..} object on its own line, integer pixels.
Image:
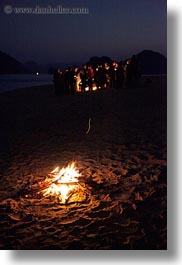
[{"x": 62, "y": 181}]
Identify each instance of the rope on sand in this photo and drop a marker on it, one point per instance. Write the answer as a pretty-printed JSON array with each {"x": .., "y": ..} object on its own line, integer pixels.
[{"x": 89, "y": 121}]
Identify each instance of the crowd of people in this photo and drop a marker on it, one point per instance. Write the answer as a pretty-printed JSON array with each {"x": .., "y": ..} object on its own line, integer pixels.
[{"x": 89, "y": 78}]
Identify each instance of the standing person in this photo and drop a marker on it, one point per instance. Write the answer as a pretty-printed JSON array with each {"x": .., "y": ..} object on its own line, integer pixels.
[
  {"x": 113, "y": 75},
  {"x": 120, "y": 76},
  {"x": 107, "y": 71},
  {"x": 77, "y": 80},
  {"x": 96, "y": 76},
  {"x": 129, "y": 73},
  {"x": 58, "y": 84},
  {"x": 90, "y": 77},
  {"x": 116, "y": 75},
  {"x": 99, "y": 76},
  {"x": 66, "y": 81},
  {"x": 127, "y": 68},
  {"x": 83, "y": 76},
  {"x": 69, "y": 80}
]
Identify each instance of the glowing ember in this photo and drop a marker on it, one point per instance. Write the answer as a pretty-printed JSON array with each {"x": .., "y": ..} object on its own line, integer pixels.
[{"x": 62, "y": 182}]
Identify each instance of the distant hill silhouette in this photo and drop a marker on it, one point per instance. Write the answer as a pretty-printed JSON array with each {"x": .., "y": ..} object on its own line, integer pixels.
[
  {"x": 9, "y": 65},
  {"x": 151, "y": 62}
]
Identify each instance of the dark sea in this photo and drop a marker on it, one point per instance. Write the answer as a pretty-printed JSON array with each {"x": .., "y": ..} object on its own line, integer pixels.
[{"x": 10, "y": 82}]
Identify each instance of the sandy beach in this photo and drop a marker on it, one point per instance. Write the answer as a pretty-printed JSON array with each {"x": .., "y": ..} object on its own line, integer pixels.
[{"x": 122, "y": 161}]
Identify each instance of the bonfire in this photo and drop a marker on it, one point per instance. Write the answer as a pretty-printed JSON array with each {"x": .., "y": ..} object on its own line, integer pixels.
[{"x": 64, "y": 183}]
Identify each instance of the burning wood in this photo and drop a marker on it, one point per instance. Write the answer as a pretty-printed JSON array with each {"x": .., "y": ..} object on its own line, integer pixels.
[{"x": 63, "y": 183}]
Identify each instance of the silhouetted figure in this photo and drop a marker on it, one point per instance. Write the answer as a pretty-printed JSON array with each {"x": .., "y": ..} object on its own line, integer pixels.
[
  {"x": 107, "y": 71},
  {"x": 116, "y": 76},
  {"x": 58, "y": 80},
  {"x": 131, "y": 72},
  {"x": 113, "y": 75},
  {"x": 90, "y": 76},
  {"x": 83, "y": 76},
  {"x": 69, "y": 81},
  {"x": 100, "y": 78},
  {"x": 120, "y": 76},
  {"x": 127, "y": 69},
  {"x": 77, "y": 79}
]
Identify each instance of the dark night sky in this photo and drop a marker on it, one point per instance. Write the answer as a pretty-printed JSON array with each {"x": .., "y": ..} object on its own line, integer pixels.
[{"x": 115, "y": 28}]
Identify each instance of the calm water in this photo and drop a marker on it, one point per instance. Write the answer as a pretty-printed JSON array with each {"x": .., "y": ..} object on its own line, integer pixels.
[{"x": 12, "y": 82}]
